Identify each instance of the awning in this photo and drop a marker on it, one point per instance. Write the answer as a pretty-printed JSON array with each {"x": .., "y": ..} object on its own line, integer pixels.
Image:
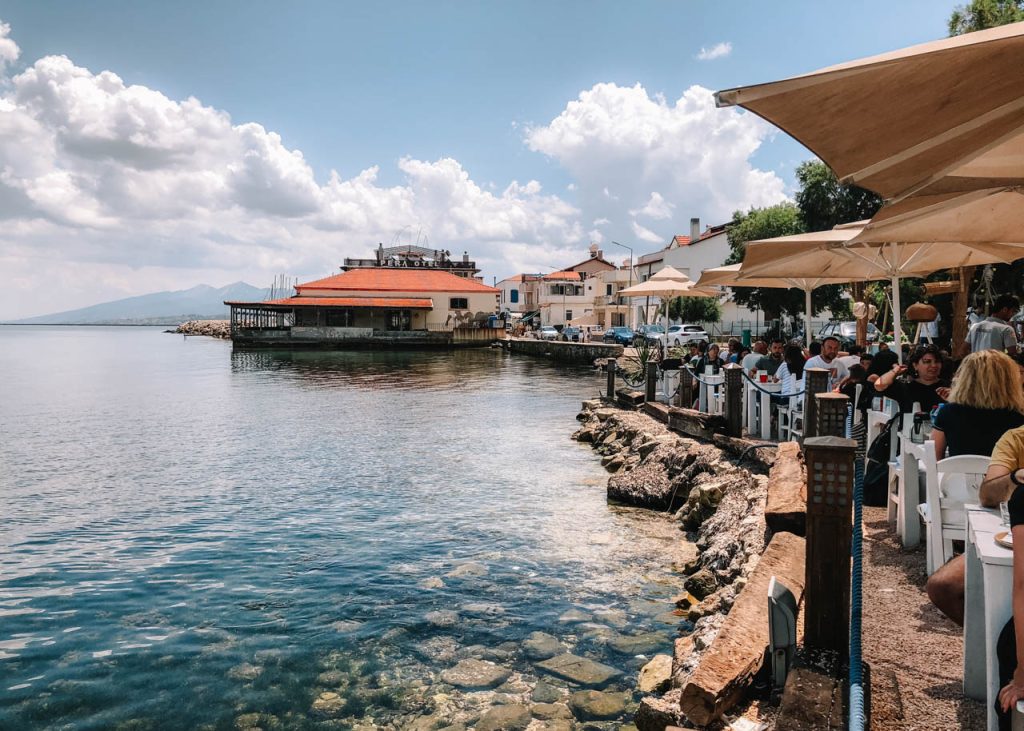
[{"x": 406, "y": 303}]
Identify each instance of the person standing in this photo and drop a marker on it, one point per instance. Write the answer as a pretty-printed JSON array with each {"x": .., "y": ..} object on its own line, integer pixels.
[
  {"x": 829, "y": 360},
  {"x": 996, "y": 332}
]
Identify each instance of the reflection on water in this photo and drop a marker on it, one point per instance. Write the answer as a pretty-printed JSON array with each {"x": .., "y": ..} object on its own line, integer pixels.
[{"x": 194, "y": 535}]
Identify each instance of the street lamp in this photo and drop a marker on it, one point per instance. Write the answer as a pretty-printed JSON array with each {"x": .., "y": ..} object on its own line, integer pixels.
[{"x": 630, "y": 250}]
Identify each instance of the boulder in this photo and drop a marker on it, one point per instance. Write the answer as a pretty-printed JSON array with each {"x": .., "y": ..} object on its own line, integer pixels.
[
  {"x": 656, "y": 675},
  {"x": 642, "y": 644},
  {"x": 549, "y": 711},
  {"x": 545, "y": 693},
  {"x": 590, "y": 705},
  {"x": 658, "y": 714},
  {"x": 579, "y": 670},
  {"x": 473, "y": 673},
  {"x": 701, "y": 584}
]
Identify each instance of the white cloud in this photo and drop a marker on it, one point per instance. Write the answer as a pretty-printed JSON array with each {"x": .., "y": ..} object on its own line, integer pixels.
[
  {"x": 9, "y": 50},
  {"x": 635, "y": 156},
  {"x": 719, "y": 50}
]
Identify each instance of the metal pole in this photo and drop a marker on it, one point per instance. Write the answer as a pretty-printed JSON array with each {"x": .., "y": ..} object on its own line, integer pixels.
[
  {"x": 897, "y": 335},
  {"x": 807, "y": 316}
]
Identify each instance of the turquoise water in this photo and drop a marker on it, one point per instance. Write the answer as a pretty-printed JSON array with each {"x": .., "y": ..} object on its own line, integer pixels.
[{"x": 193, "y": 535}]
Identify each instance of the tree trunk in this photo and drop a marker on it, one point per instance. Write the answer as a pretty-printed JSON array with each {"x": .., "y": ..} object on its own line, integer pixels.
[{"x": 960, "y": 299}]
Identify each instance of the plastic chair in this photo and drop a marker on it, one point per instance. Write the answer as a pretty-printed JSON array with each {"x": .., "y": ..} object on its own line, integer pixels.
[
  {"x": 949, "y": 483},
  {"x": 791, "y": 415}
]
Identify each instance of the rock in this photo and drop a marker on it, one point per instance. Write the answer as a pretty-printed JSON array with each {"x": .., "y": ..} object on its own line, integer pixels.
[
  {"x": 575, "y": 615},
  {"x": 594, "y": 705},
  {"x": 585, "y": 435},
  {"x": 701, "y": 584},
  {"x": 329, "y": 704},
  {"x": 245, "y": 671},
  {"x": 549, "y": 711},
  {"x": 685, "y": 600},
  {"x": 467, "y": 570},
  {"x": 609, "y": 438},
  {"x": 489, "y": 610},
  {"x": 434, "y": 582},
  {"x": 555, "y": 724},
  {"x": 647, "y": 447},
  {"x": 614, "y": 617},
  {"x": 657, "y": 714},
  {"x": 546, "y": 693},
  {"x": 512, "y": 717},
  {"x": 685, "y": 554},
  {"x": 605, "y": 414},
  {"x": 541, "y": 646},
  {"x": 442, "y": 618},
  {"x": 615, "y": 463},
  {"x": 641, "y": 644},
  {"x": 655, "y": 675},
  {"x": 474, "y": 673},
  {"x": 579, "y": 670}
]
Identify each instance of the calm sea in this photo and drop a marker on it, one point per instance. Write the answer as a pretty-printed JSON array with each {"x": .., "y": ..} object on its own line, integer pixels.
[{"x": 192, "y": 534}]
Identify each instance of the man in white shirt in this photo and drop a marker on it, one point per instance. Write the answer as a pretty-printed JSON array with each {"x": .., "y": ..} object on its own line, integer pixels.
[
  {"x": 996, "y": 332},
  {"x": 758, "y": 350},
  {"x": 853, "y": 357},
  {"x": 829, "y": 361}
]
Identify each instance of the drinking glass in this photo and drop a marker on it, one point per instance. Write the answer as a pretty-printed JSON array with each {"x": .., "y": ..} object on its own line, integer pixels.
[{"x": 762, "y": 376}]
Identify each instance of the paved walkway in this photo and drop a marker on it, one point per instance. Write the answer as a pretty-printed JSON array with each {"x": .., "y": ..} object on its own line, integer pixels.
[{"x": 905, "y": 634}]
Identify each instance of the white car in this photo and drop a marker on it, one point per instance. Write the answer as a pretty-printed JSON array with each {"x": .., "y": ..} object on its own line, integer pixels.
[
  {"x": 679, "y": 335},
  {"x": 548, "y": 333}
]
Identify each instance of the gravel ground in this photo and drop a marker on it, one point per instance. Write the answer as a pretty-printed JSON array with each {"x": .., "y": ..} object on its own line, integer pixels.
[{"x": 905, "y": 634}]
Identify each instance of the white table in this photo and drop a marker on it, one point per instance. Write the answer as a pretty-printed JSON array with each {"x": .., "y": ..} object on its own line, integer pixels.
[
  {"x": 987, "y": 605},
  {"x": 752, "y": 393},
  {"x": 710, "y": 385}
]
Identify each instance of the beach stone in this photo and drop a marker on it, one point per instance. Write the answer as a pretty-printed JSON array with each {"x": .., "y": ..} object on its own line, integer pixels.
[
  {"x": 541, "y": 646},
  {"x": 550, "y": 711},
  {"x": 474, "y": 673},
  {"x": 245, "y": 671},
  {"x": 574, "y": 615},
  {"x": 442, "y": 618},
  {"x": 605, "y": 414},
  {"x": 655, "y": 675},
  {"x": 579, "y": 670},
  {"x": 641, "y": 644},
  {"x": 433, "y": 582},
  {"x": 594, "y": 705},
  {"x": 585, "y": 435},
  {"x": 546, "y": 693},
  {"x": 470, "y": 569},
  {"x": 701, "y": 584},
  {"x": 555, "y": 724},
  {"x": 513, "y": 717},
  {"x": 490, "y": 610},
  {"x": 614, "y": 617},
  {"x": 329, "y": 704}
]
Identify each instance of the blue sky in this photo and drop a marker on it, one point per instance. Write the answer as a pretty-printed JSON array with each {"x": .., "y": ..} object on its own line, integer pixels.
[{"x": 353, "y": 87}]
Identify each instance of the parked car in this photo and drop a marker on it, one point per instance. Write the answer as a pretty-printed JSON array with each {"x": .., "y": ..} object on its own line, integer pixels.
[
  {"x": 572, "y": 334},
  {"x": 847, "y": 332},
  {"x": 547, "y": 332},
  {"x": 653, "y": 333},
  {"x": 620, "y": 335},
  {"x": 680, "y": 335}
]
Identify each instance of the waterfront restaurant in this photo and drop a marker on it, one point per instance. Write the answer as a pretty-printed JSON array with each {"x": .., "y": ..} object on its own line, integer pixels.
[{"x": 373, "y": 306}]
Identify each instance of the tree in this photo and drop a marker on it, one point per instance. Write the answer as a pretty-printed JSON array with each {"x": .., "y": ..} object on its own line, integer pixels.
[
  {"x": 982, "y": 14},
  {"x": 824, "y": 202},
  {"x": 692, "y": 309}
]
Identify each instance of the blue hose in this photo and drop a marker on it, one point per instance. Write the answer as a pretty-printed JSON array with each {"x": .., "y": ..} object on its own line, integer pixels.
[{"x": 856, "y": 677}]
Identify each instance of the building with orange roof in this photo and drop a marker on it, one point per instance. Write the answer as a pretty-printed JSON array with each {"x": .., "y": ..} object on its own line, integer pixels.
[{"x": 374, "y": 306}]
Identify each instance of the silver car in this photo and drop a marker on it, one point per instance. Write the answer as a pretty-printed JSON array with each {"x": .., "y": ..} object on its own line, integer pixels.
[
  {"x": 679, "y": 335},
  {"x": 548, "y": 333}
]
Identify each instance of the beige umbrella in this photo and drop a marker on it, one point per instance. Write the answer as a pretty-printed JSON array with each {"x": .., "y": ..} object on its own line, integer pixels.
[
  {"x": 730, "y": 276},
  {"x": 667, "y": 283},
  {"x": 935, "y": 119}
]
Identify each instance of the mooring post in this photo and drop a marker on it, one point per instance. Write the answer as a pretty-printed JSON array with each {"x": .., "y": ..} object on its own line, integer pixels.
[
  {"x": 829, "y": 463},
  {"x": 830, "y": 414},
  {"x": 651, "y": 381},
  {"x": 610, "y": 393},
  {"x": 684, "y": 397},
  {"x": 733, "y": 399},
  {"x": 816, "y": 381}
]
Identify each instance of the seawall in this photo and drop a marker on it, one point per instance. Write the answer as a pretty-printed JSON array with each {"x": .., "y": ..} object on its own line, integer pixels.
[{"x": 562, "y": 351}]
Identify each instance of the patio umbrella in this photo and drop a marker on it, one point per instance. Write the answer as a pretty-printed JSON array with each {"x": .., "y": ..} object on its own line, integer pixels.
[
  {"x": 937, "y": 119},
  {"x": 730, "y": 276},
  {"x": 667, "y": 284}
]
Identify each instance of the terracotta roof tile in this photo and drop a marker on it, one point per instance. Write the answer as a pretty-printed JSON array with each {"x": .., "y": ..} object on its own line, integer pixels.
[
  {"x": 411, "y": 303},
  {"x": 373, "y": 279}
]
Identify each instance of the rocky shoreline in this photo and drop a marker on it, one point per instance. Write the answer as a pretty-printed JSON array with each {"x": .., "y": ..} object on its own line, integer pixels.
[
  {"x": 211, "y": 328},
  {"x": 720, "y": 507}
]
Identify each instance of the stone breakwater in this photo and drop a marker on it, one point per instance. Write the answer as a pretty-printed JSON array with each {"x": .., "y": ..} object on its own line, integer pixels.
[
  {"x": 211, "y": 328},
  {"x": 720, "y": 507}
]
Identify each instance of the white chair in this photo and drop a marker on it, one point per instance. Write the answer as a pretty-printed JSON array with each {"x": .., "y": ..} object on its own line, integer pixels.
[
  {"x": 791, "y": 415},
  {"x": 949, "y": 483}
]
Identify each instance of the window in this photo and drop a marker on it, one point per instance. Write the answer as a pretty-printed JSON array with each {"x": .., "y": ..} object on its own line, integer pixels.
[
  {"x": 399, "y": 319},
  {"x": 568, "y": 315},
  {"x": 513, "y": 296},
  {"x": 458, "y": 303},
  {"x": 608, "y": 290}
]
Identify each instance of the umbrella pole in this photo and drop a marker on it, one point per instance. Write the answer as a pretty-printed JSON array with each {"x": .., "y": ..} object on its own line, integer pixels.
[
  {"x": 896, "y": 334},
  {"x": 807, "y": 316}
]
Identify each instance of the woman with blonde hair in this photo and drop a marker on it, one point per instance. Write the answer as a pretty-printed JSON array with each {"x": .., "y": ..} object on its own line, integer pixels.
[{"x": 986, "y": 400}]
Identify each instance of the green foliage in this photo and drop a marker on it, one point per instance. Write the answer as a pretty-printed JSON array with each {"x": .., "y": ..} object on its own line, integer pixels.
[
  {"x": 693, "y": 309},
  {"x": 824, "y": 202},
  {"x": 982, "y": 14}
]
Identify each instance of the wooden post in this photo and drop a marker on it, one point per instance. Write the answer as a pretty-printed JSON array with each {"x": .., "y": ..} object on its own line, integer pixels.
[
  {"x": 733, "y": 399},
  {"x": 815, "y": 381},
  {"x": 684, "y": 398},
  {"x": 651, "y": 381},
  {"x": 862, "y": 322},
  {"x": 960, "y": 300},
  {"x": 610, "y": 392},
  {"x": 830, "y": 414},
  {"x": 829, "y": 534}
]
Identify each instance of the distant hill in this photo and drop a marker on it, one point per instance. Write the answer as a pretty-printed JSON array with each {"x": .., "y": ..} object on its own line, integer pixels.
[{"x": 201, "y": 302}]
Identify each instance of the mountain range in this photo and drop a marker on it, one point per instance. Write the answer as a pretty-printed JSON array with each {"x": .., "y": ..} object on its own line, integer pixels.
[{"x": 201, "y": 302}]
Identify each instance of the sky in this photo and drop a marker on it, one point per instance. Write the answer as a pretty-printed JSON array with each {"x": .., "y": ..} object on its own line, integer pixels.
[{"x": 150, "y": 146}]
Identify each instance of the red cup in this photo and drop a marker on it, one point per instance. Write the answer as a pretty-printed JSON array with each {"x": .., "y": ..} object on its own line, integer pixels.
[{"x": 763, "y": 377}]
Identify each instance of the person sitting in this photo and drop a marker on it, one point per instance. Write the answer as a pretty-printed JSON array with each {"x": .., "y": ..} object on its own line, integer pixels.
[
  {"x": 734, "y": 351},
  {"x": 882, "y": 363},
  {"x": 829, "y": 360},
  {"x": 866, "y": 361},
  {"x": 749, "y": 362},
  {"x": 924, "y": 387},
  {"x": 790, "y": 373},
  {"x": 813, "y": 350},
  {"x": 773, "y": 360},
  {"x": 694, "y": 355},
  {"x": 709, "y": 359},
  {"x": 852, "y": 356},
  {"x": 985, "y": 403}
]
